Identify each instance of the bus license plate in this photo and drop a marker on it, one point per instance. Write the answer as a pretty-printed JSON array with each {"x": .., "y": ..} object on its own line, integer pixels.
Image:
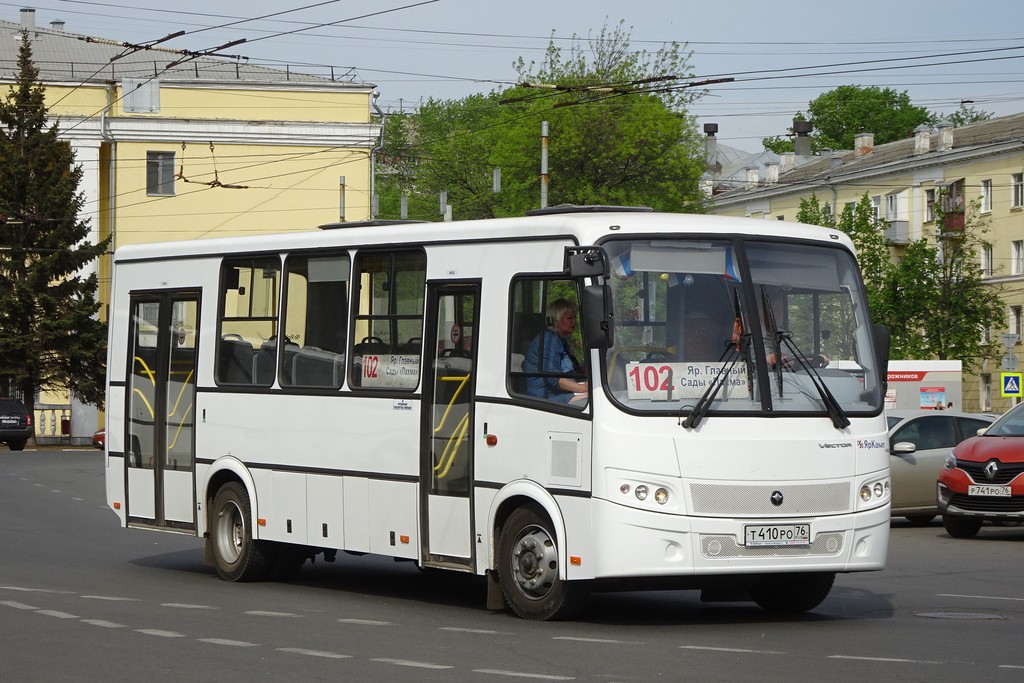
[
  {"x": 776, "y": 534},
  {"x": 988, "y": 490}
]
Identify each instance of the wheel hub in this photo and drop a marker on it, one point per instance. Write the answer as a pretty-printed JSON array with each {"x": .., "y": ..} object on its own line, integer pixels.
[{"x": 534, "y": 562}]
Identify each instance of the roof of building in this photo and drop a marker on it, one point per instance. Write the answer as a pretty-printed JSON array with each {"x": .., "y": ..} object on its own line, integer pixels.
[
  {"x": 973, "y": 139},
  {"x": 63, "y": 56}
]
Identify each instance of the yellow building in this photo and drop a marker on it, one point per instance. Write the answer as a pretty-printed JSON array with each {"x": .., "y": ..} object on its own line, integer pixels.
[
  {"x": 982, "y": 161},
  {"x": 180, "y": 147}
]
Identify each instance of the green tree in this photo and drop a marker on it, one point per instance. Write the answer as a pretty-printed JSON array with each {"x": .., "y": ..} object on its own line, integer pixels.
[
  {"x": 933, "y": 298},
  {"x": 49, "y": 334},
  {"x": 964, "y": 115},
  {"x": 840, "y": 114},
  {"x": 619, "y": 133}
]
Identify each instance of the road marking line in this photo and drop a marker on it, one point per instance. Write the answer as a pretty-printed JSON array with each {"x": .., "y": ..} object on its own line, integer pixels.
[
  {"x": 418, "y": 665},
  {"x": 1010, "y": 666},
  {"x": 59, "y": 615},
  {"x": 977, "y": 597},
  {"x": 261, "y": 613},
  {"x": 895, "y": 660},
  {"x": 523, "y": 674},
  {"x": 596, "y": 640},
  {"x": 313, "y": 653},
  {"x": 17, "y": 605},
  {"x": 112, "y": 598},
  {"x": 103, "y": 623},
  {"x": 456, "y": 629},
  {"x": 225, "y": 641},
  {"x": 34, "y": 590},
  {"x": 79, "y": 499},
  {"x": 183, "y": 605},
  {"x": 731, "y": 649},
  {"x": 365, "y": 622},
  {"x": 159, "y": 633}
]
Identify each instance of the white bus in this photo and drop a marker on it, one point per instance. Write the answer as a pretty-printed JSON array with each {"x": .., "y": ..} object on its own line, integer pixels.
[{"x": 376, "y": 388}]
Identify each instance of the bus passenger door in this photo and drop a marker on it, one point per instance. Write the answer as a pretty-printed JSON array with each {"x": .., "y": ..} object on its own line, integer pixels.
[
  {"x": 160, "y": 443},
  {"x": 446, "y": 462}
]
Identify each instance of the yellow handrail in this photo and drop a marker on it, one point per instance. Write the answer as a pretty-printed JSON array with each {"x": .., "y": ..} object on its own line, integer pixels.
[
  {"x": 462, "y": 382},
  {"x": 452, "y": 448}
]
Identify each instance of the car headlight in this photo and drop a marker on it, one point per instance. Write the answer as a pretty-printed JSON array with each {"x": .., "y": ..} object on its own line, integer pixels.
[{"x": 950, "y": 463}]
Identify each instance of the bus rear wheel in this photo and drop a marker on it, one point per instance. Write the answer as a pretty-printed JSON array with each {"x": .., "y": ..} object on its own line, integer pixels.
[
  {"x": 792, "y": 592},
  {"x": 237, "y": 555},
  {"x": 528, "y": 557}
]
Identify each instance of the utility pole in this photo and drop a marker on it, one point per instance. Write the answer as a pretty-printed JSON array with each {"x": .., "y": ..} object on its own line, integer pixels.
[{"x": 543, "y": 164}]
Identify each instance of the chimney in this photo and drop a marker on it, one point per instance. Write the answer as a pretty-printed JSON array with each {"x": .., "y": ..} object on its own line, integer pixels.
[
  {"x": 922, "y": 139},
  {"x": 752, "y": 177},
  {"x": 711, "y": 148},
  {"x": 788, "y": 162},
  {"x": 28, "y": 19},
  {"x": 863, "y": 143},
  {"x": 945, "y": 136},
  {"x": 57, "y": 24},
  {"x": 803, "y": 142},
  {"x": 771, "y": 170}
]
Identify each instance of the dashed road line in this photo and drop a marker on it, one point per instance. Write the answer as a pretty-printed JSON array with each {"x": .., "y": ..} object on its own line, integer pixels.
[
  {"x": 17, "y": 605},
  {"x": 887, "y": 660},
  {"x": 610, "y": 641},
  {"x": 739, "y": 650},
  {"x": 160, "y": 634},
  {"x": 185, "y": 605},
  {"x": 225, "y": 641},
  {"x": 57, "y": 613},
  {"x": 264, "y": 613},
  {"x": 409, "y": 662},
  {"x": 103, "y": 623},
  {"x": 523, "y": 674},
  {"x": 978, "y": 597},
  {"x": 313, "y": 653},
  {"x": 112, "y": 598},
  {"x": 456, "y": 629},
  {"x": 365, "y": 622}
]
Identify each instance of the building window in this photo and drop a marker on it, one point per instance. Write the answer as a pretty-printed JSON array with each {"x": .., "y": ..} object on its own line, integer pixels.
[
  {"x": 876, "y": 206},
  {"x": 160, "y": 173},
  {"x": 929, "y": 206},
  {"x": 986, "y": 196},
  {"x": 1017, "y": 258},
  {"x": 986, "y": 260},
  {"x": 986, "y": 392},
  {"x": 1017, "y": 189},
  {"x": 1015, "y": 320}
]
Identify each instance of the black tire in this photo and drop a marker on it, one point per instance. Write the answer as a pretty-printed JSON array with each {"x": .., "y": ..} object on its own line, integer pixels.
[
  {"x": 237, "y": 556},
  {"x": 528, "y": 557},
  {"x": 792, "y": 592},
  {"x": 920, "y": 520},
  {"x": 961, "y": 527},
  {"x": 17, "y": 445}
]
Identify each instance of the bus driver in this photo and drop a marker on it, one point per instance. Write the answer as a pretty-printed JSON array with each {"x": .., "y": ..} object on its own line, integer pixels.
[{"x": 550, "y": 353}]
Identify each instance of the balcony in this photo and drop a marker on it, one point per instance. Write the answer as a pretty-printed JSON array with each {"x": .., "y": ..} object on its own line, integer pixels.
[
  {"x": 953, "y": 222},
  {"x": 897, "y": 232}
]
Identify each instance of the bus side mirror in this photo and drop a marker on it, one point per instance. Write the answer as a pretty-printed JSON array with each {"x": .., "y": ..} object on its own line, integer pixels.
[
  {"x": 882, "y": 337},
  {"x": 596, "y": 309},
  {"x": 582, "y": 262}
]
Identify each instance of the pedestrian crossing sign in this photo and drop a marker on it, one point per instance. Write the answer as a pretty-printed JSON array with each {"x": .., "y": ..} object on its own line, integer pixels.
[{"x": 1011, "y": 384}]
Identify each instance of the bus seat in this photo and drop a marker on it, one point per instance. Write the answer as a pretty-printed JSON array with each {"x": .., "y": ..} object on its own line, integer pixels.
[
  {"x": 264, "y": 363},
  {"x": 525, "y": 328},
  {"x": 235, "y": 361},
  {"x": 314, "y": 367}
]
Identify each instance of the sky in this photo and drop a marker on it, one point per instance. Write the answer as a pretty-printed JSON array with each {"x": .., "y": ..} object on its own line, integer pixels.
[{"x": 781, "y": 53}]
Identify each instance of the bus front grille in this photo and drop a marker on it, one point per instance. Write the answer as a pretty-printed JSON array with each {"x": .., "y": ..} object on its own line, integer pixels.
[{"x": 761, "y": 500}]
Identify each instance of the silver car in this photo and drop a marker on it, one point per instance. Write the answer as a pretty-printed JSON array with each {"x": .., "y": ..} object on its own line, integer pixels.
[{"x": 919, "y": 441}]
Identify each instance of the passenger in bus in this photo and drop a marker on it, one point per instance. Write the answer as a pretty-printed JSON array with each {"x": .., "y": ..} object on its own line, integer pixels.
[{"x": 550, "y": 353}]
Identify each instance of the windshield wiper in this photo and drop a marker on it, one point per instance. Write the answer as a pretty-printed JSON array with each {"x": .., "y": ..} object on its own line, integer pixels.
[
  {"x": 700, "y": 409},
  {"x": 835, "y": 411}
]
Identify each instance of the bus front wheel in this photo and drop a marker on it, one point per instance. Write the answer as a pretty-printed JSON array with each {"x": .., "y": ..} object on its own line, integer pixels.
[
  {"x": 237, "y": 555},
  {"x": 528, "y": 557},
  {"x": 792, "y": 592}
]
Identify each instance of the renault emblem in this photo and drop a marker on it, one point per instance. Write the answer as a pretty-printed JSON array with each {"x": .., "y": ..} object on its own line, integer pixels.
[
  {"x": 777, "y": 498},
  {"x": 991, "y": 469}
]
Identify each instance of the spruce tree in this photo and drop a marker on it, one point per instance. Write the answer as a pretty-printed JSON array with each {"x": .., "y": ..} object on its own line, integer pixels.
[{"x": 50, "y": 336}]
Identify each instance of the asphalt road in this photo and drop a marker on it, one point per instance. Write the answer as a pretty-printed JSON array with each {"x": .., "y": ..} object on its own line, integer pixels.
[{"x": 83, "y": 600}]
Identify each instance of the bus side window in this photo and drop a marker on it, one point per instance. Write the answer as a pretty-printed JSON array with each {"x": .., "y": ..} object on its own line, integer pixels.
[
  {"x": 531, "y": 335},
  {"x": 246, "y": 354},
  {"x": 315, "y": 320}
]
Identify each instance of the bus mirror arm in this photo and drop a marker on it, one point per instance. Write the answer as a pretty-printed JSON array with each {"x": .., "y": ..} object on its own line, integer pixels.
[
  {"x": 598, "y": 326},
  {"x": 882, "y": 339}
]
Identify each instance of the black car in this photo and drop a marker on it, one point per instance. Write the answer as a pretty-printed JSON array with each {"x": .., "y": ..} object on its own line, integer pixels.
[{"x": 15, "y": 423}]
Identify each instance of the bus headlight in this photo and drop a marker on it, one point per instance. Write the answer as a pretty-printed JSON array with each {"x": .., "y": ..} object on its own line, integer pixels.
[
  {"x": 640, "y": 492},
  {"x": 661, "y": 496},
  {"x": 872, "y": 491}
]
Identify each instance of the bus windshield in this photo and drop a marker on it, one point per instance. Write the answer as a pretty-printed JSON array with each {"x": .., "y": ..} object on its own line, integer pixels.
[{"x": 739, "y": 326}]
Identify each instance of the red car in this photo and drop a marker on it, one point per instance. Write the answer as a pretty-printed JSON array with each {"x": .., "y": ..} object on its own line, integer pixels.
[
  {"x": 981, "y": 479},
  {"x": 99, "y": 438}
]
